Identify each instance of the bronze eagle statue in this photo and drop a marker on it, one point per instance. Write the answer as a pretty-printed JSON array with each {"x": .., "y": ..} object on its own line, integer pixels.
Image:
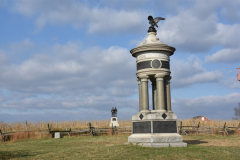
[{"x": 154, "y": 21}]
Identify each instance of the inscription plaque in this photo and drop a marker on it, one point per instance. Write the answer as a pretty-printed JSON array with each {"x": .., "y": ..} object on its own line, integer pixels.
[
  {"x": 114, "y": 119},
  {"x": 142, "y": 127},
  {"x": 156, "y": 63},
  {"x": 164, "y": 127}
]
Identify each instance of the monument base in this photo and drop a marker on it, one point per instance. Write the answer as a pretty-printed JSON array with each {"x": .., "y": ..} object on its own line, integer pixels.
[
  {"x": 155, "y": 129},
  {"x": 157, "y": 140},
  {"x": 114, "y": 122}
]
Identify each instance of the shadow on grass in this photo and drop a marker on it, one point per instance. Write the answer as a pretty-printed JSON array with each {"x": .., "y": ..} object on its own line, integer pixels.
[
  {"x": 14, "y": 154},
  {"x": 194, "y": 142}
]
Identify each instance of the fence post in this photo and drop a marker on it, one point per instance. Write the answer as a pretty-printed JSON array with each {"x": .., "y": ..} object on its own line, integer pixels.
[
  {"x": 224, "y": 129},
  {"x": 180, "y": 127},
  {"x": 68, "y": 132},
  {"x": 112, "y": 128},
  {"x": 90, "y": 128},
  {"x": 49, "y": 129},
  {"x": 198, "y": 126},
  {"x": 3, "y": 133},
  {"x": 26, "y": 126}
]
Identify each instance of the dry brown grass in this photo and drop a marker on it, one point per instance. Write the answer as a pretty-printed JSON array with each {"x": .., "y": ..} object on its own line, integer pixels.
[
  {"x": 204, "y": 147},
  {"x": 42, "y": 125},
  {"x": 22, "y": 135},
  {"x": 213, "y": 140},
  {"x": 205, "y": 125},
  {"x": 223, "y": 143},
  {"x": 213, "y": 123}
]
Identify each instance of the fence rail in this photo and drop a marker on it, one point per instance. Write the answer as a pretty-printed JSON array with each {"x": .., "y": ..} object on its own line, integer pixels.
[{"x": 197, "y": 129}]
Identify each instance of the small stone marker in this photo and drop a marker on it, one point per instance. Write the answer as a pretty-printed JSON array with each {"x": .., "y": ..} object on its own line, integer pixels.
[{"x": 57, "y": 135}]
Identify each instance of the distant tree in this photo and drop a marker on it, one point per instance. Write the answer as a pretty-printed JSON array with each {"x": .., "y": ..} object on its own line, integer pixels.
[{"x": 237, "y": 112}]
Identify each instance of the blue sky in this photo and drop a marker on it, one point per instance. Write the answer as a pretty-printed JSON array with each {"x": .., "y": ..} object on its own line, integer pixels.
[{"x": 70, "y": 60}]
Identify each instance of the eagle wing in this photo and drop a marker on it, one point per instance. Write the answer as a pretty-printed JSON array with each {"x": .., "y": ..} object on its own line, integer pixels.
[{"x": 157, "y": 19}]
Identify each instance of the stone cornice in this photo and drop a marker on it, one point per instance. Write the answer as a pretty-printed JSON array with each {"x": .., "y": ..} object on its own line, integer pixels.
[
  {"x": 152, "y": 47},
  {"x": 160, "y": 75},
  {"x": 143, "y": 76}
]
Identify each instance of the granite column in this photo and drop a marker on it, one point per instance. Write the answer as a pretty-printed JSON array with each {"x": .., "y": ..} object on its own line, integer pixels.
[
  {"x": 140, "y": 94},
  {"x": 160, "y": 93},
  {"x": 169, "y": 108},
  {"x": 144, "y": 93}
]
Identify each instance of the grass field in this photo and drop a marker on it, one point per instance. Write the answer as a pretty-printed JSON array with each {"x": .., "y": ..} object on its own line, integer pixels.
[{"x": 112, "y": 147}]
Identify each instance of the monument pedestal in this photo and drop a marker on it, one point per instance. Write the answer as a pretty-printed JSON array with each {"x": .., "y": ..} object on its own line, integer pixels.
[
  {"x": 155, "y": 129},
  {"x": 114, "y": 122}
]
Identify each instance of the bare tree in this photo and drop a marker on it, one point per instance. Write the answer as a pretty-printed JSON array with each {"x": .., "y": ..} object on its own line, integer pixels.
[{"x": 237, "y": 112}]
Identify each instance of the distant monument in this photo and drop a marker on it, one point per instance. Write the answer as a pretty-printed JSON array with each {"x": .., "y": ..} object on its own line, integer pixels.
[
  {"x": 156, "y": 127},
  {"x": 114, "y": 122}
]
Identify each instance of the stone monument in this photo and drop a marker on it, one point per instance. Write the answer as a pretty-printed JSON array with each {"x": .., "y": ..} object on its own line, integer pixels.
[
  {"x": 114, "y": 121},
  {"x": 156, "y": 127}
]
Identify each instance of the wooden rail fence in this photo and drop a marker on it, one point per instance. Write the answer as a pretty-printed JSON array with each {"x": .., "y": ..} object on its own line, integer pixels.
[
  {"x": 94, "y": 131},
  {"x": 91, "y": 131},
  {"x": 197, "y": 129}
]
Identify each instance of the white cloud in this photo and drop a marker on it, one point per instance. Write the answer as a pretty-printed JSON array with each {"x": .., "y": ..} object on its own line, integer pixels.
[
  {"x": 22, "y": 46},
  {"x": 200, "y": 8},
  {"x": 98, "y": 20},
  {"x": 193, "y": 26},
  {"x": 66, "y": 77},
  {"x": 191, "y": 72},
  {"x": 224, "y": 55},
  {"x": 3, "y": 59},
  {"x": 187, "y": 32},
  {"x": 85, "y": 78},
  {"x": 231, "y": 11},
  {"x": 219, "y": 107},
  {"x": 231, "y": 82},
  {"x": 125, "y": 4},
  {"x": 69, "y": 69},
  {"x": 91, "y": 106},
  {"x": 90, "y": 81},
  {"x": 107, "y": 20},
  {"x": 198, "y": 30},
  {"x": 227, "y": 35},
  {"x": 56, "y": 115}
]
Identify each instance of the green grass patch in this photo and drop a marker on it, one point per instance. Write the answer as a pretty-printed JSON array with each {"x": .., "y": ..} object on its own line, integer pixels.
[{"x": 112, "y": 147}]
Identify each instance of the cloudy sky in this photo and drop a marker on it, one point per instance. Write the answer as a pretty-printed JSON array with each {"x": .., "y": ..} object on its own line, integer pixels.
[{"x": 70, "y": 60}]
